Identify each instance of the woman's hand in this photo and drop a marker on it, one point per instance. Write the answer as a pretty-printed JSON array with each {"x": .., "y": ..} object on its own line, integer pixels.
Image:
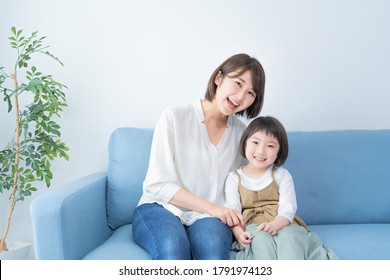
[{"x": 230, "y": 217}]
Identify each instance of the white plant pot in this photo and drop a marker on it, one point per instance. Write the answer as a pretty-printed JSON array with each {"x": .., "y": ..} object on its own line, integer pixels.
[{"x": 17, "y": 250}]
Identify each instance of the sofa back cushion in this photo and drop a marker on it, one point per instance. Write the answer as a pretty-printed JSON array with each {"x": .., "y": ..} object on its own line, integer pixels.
[
  {"x": 341, "y": 176},
  {"x": 129, "y": 151}
]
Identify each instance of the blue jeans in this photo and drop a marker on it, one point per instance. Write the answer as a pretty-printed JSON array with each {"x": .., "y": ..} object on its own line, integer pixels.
[{"x": 163, "y": 235}]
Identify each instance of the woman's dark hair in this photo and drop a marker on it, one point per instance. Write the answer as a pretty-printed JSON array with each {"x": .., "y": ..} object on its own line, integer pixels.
[
  {"x": 272, "y": 126},
  {"x": 241, "y": 63}
]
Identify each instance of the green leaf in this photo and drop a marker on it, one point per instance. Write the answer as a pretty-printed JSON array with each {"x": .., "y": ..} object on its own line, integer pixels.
[
  {"x": 56, "y": 58},
  {"x": 34, "y": 85},
  {"x": 8, "y": 99},
  {"x": 26, "y": 193},
  {"x": 13, "y": 29},
  {"x": 56, "y": 132},
  {"x": 47, "y": 181}
]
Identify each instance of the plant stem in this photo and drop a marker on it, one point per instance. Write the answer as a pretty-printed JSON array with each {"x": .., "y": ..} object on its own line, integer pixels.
[{"x": 3, "y": 245}]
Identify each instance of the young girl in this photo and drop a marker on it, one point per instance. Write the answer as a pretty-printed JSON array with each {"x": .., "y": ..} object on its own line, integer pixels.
[
  {"x": 194, "y": 148},
  {"x": 264, "y": 191}
]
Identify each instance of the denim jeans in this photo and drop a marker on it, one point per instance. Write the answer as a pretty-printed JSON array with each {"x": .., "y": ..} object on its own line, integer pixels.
[{"x": 163, "y": 235}]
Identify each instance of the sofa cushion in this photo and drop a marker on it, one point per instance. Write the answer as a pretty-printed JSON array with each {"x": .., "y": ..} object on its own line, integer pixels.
[
  {"x": 129, "y": 151},
  {"x": 120, "y": 246},
  {"x": 356, "y": 241},
  {"x": 341, "y": 177}
]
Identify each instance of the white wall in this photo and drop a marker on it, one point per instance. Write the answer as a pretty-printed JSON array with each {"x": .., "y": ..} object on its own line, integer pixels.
[{"x": 326, "y": 61}]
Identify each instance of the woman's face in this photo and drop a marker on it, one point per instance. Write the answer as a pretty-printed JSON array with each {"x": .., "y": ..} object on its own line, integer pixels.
[{"x": 236, "y": 94}]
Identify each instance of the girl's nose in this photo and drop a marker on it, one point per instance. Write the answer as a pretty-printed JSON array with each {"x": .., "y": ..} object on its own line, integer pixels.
[{"x": 261, "y": 149}]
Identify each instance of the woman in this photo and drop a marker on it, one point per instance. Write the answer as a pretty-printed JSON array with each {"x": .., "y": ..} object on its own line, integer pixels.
[{"x": 194, "y": 148}]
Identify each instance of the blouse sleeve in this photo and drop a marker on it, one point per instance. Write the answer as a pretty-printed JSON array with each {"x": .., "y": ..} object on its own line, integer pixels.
[
  {"x": 161, "y": 182},
  {"x": 232, "y": 195},
  {"x": 287, "y": 197}
]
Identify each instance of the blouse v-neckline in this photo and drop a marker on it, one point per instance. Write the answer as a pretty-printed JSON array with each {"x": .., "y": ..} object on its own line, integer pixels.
[{"x": 201, "y": 118}]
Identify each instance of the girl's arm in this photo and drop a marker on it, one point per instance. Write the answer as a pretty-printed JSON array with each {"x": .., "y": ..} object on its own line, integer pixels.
[
  {"x": 242, "y": 237},
  {"x": 287, "y": 203},
  {"x": 287, "y": 198}
]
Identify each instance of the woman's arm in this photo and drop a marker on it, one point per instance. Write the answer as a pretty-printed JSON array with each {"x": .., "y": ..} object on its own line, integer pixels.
[
  {"x": 185, "y": 199},
  {"x": 161, "y": 181}
]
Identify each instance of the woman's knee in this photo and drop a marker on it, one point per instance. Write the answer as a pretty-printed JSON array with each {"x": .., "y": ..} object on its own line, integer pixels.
[
  {"x": 160, "y": 233},
  {"x": 210, "y": 239}
]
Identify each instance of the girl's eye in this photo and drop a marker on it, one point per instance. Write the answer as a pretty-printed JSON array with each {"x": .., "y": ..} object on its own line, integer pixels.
[
  {"x": 239, "y": 84},
  {"x": 252, "y": 93},
  {"x": 255, "y": 142}
]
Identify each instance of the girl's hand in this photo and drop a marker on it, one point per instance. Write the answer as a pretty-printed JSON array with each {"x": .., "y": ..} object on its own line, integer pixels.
[
  {"x": 267, "y": 227},
  {"x": 230, "y": 217},
  {"x": 274, "y": 226},
  {"x": 245, "y": 238}
]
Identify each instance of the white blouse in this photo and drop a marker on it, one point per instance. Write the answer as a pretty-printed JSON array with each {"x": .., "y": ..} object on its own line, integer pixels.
[
  {"x": 182, "y": 156},
  {"x": 287, "y": 198}
]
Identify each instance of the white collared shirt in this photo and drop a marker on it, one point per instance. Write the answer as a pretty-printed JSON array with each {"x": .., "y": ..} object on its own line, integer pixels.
[{"x": 182, "y": 156}]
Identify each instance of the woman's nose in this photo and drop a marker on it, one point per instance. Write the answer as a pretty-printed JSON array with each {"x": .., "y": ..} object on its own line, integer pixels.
[{"x": 240, "y": 95}]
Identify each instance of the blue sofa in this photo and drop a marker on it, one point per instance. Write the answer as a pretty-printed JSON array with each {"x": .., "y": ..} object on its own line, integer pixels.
[{"x": 341, "y": 178}]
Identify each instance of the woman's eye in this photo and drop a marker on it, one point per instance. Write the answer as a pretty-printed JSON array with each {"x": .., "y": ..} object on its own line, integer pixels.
[
  {"x": 252, "y": 93},
  {"x": 239, "y": 84}
]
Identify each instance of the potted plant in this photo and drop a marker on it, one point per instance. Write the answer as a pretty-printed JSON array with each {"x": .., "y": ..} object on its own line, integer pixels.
[{"x": 25, "y": 161}]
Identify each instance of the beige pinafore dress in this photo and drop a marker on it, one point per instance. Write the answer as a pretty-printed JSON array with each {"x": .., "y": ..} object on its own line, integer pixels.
[{"x": 262, "y": 206}]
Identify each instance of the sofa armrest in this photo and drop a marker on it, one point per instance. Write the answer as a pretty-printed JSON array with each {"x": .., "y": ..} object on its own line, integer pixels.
[{"x": 71, "y": 221}]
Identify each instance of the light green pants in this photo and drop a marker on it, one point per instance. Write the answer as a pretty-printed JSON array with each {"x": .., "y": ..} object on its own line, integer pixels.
[{"x": 292, "y": 242}]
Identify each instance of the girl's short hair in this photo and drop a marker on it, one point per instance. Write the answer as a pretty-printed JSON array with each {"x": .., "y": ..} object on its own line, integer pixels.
[
  {"x": 272, "y": 126},
  {"x": 241, "y": 63}
]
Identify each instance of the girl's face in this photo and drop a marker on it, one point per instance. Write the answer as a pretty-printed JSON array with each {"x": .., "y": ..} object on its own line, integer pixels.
[
  {"x": 234, "y": 95},
  {"x": 261, "y": 151}
]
